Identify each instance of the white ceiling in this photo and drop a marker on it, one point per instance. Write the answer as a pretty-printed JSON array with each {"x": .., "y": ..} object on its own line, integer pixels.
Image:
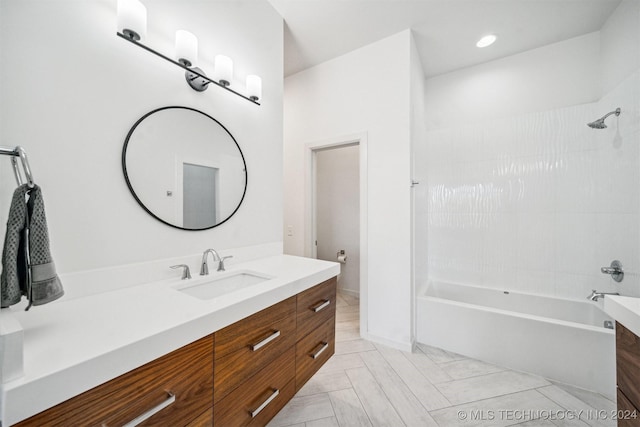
[{"x": 445, "y": 31}]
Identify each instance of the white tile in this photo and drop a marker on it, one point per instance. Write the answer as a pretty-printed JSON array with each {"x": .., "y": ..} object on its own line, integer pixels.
[
  {"x": 427, "y": 393},
  {"x": 302, "y": 409},
  {"x": 341, "y": 362},
  {"x": 412, "y": 412},
  {"x": 348, "y": 409},
  {"x": 374, "y": 401},
  {"x": 467, "y": 368},
  {"x": 325, "y": 382},
  {"x": 354, "y": 346},
  {"x": 588, "y": 414},
  {"x": 498, "y": 411},
  {"x": 439, "y": 355},
  {"x": 591, "y": 398},
  {"x": 491, "y": 385},
  {"x": 430, "y": 369},
  {"x": 324, "y": 422}
]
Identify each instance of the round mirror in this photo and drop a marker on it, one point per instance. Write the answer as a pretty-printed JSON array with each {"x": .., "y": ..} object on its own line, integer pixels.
[{"x": 184, "y": 168}]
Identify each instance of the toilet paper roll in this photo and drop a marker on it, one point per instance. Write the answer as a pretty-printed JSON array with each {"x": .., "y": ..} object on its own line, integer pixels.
[{"x": 342, "y": 259}]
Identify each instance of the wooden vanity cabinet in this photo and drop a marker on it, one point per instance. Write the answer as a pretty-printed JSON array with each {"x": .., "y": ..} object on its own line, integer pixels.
[
  {"x": 241, "y": 375},
  {"x": 316, "y": 313},
  {"x": 628, "y": 376},
  {"x": 185, "y": 375}
]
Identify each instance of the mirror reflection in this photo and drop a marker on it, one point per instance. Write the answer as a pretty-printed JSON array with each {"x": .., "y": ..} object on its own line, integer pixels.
[{"x": 184, "y": 168}]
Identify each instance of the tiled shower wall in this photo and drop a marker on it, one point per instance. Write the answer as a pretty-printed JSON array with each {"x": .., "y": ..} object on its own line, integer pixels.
[{"x": 538, "y": 202}]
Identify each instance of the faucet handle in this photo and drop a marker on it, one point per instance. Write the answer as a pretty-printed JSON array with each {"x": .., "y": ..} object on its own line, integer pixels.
[
  {"x": 221, "y": 262},
  {"x": 186, "y": 273}
]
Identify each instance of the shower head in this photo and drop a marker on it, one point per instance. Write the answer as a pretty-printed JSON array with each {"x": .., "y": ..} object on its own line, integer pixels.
[{"x": 599, "y": 124}]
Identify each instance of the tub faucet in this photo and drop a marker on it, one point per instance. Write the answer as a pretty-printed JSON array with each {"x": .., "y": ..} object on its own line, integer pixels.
[
  {"x": 595, "y": 295},
  {"x": 204, "y": 268}
]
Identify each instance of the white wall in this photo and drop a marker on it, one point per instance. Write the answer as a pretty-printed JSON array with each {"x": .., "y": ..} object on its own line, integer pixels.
[
  {"x": 71, "y": 89},
  {"x": 338, "y": 211},
  {"x": 522, "y": 194},
  {"x": 357, "y": 93},
  {"x": 553, "y": 76},
  {"x": 419, "y": 257},
  {"x": 620, "y": 45}
]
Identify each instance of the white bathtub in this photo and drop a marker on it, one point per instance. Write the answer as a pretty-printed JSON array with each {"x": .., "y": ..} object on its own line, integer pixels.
[{"x": 560, "y": 339}]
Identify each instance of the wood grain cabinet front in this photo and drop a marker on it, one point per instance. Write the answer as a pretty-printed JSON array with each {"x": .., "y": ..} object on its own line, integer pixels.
[
  {"x": 245, "y": 347},
  {"x": 313, "y": 351},
  {"x": 628, "y": 364},
  {"x": 314, "y": 307},
  {"x": 259, "y": 398},
  {"x": 172, "y": 390}
]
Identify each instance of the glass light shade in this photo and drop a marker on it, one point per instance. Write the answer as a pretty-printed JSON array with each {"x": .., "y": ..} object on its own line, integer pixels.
[
  {"x": 132, "y": 19},
  {"x": 254, "y": 87},
  {"x": 186, "y": 48},
  {"x": 486, "y": 40},
  {"x": 223, "y": 70}
]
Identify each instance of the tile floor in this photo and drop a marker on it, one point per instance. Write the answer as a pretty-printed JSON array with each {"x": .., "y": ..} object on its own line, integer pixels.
[{"x": 367, "y": 384}]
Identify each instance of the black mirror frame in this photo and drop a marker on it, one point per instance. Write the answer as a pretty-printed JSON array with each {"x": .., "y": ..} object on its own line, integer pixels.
[{"x": 135, "y": 196}]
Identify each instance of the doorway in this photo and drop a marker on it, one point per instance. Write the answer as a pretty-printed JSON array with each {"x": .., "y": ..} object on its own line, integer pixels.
[{"x": 336, "y": 212}]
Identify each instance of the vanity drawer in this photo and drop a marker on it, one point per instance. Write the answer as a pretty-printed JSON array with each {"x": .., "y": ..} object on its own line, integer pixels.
[
  {"x": 628, "y": 363},
  {"x": 628, "y": 415},
  {"x": 315, "y": 306},
  {"x": 257, "y": 400},
  {"x": 186, "y": 374},
  {"x": 204, "y": 420},
  {"x": 313, "y": 351},
  {"x": 245, "y": 347}
]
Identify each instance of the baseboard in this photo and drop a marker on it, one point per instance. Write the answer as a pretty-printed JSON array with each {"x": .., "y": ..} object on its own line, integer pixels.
[
  {"x": 349, "y": 292},
  {"x": 398, "y": 345}
]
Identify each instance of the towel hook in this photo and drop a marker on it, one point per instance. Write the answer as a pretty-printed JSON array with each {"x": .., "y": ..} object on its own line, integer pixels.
[{"x": 19, "y": 152}]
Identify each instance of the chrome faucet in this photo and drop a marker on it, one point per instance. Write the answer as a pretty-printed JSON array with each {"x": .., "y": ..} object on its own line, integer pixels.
[
  {"x": 204, "y": 269},
  {"x": 595, "y": 295},
  {"x": 186, "y": 274}
]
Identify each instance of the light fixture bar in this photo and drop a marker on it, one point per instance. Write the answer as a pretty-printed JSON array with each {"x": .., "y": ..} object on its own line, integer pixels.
[{"x": 184, "y": 67}]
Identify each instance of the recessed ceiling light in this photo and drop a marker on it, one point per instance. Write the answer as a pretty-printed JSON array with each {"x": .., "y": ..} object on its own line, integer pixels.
[{"x": 486, "y": 40}]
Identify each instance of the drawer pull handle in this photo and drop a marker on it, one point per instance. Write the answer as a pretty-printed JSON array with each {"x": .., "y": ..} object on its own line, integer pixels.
[
  {"x": 151, "y": 412},
  {"x": 264, "y": 404},
  {"x": 265, "y": 341},
  {"x": 325, "y": 345},
  {"x": 325, "y": 304}
]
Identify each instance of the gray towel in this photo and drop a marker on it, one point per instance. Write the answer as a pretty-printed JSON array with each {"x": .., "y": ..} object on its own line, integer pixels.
[{"x": 27, "y": 266}]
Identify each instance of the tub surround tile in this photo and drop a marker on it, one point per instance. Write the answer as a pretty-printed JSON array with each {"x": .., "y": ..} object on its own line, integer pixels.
[
  {"x": 348, "y": 409},
  {"x": 303, "y": 409},
  {"x": 412, "y": 412},
  {"x": 490, "y": 385},
  {"x": 430, "y": 397},
  {"x": 374, "y": 401}
]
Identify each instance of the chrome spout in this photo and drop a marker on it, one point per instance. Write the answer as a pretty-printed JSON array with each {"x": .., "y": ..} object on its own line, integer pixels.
[
  {"x": 595, "y": 295},
  {"x": 204, "y": 268}
]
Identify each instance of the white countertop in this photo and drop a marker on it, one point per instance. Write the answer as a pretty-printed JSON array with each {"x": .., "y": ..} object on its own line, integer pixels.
[
  {"x": 72, "y": 346},
  {"x": 625, "y": 310}
]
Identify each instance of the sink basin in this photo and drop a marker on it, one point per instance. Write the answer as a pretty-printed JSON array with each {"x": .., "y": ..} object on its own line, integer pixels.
[{"x": 228, "y": 283}]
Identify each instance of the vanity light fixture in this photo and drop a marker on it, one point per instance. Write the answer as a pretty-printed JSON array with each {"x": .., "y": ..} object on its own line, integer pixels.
[
  {"x": 223, "y": 70},
  {"x": 132, "y": 26},
  {"x": 132, "y": 19},
  {"x": 487, "y": 40},
  {"x": 254, "y": 87},
  {"x": 186, "y": 48}
]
